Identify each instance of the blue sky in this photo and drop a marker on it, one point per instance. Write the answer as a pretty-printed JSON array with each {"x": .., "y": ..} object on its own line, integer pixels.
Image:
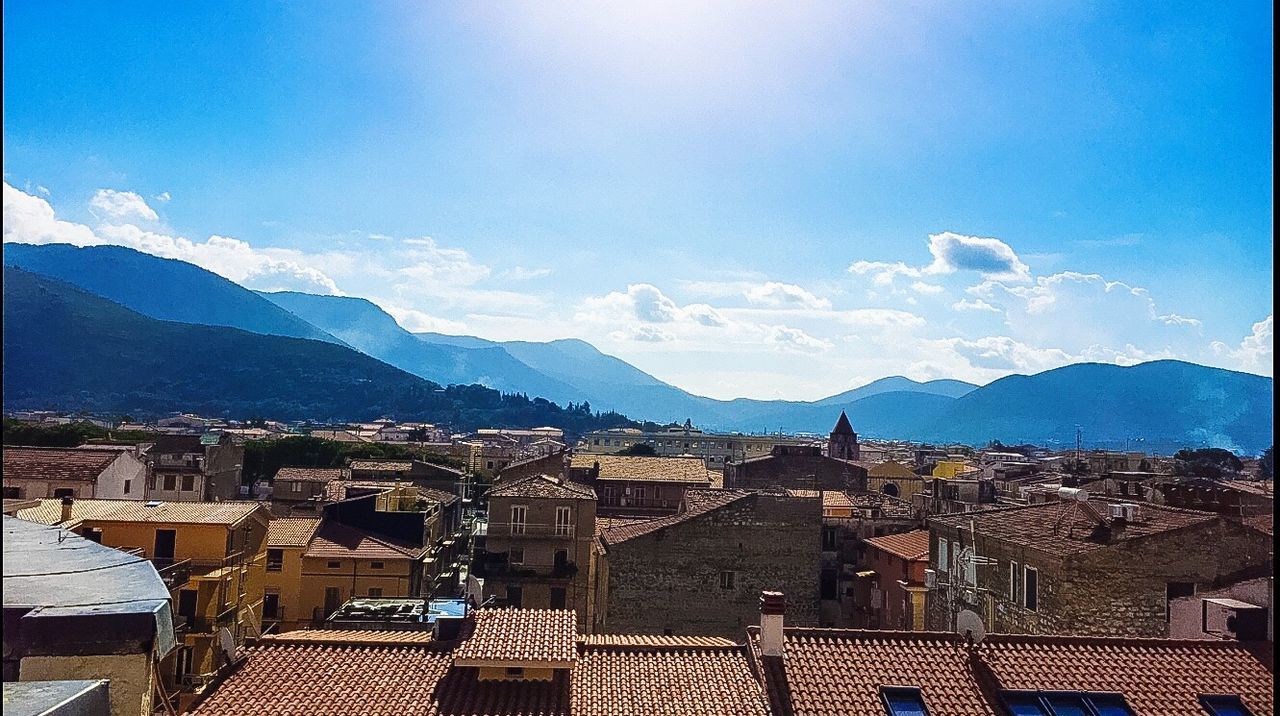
[{"x": 769, "y": 200}]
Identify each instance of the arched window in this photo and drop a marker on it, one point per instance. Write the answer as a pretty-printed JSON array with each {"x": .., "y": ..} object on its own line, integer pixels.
[{"x": 890, "y": 489}]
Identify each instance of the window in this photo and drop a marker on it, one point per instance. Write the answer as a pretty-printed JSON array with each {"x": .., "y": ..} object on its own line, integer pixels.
[
  {"x": 183, "y": 666},
  {"x": 1065, "y": 703},
  {"x": 295, "y": 486},
  {"x": 639, "y": 492},
  {"x": 334, "y": 565},
  {"x": 93, "y": 534},
  {"x": 1030, "y": 588},
  {"x": 1176, "y": 590},
  {"x": 558, "y": 597},
  {"x": 519, "y": 513},
  {"x": 170, "y": 482},
  {"x": 726, "y": 580},
  {"x": 903, "y": 701},
  {"x": 1013, "y": 581},
  {"x": 830, "y": 539},
  {"x": 64, "y": 492},
  {"x": 563, "y": 524},
  {"x": 515, "y": 596},
  {"x": 376, "y": 565},
  {"x": 188, "y": 483},
  {"x": 515, "y": 556},
  {"x": 375, "y": 591},
  {"x": 942, "y": 555},
  {"x": 489, "y": 464},
  {"x": 12, "y": 493},
  {"x": 270, "y": 606},
  {"x": 275, "y": 560},
  {"x": 1224, "y": 705},
  {"x": 127, "y": 485}
]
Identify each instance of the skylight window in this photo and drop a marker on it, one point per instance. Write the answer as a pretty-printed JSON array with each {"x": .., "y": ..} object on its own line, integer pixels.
[
  {"x": 1065, "y": 703},
  {"x": 1224, "y": 705},
  {"x": 903, "y": 701}
]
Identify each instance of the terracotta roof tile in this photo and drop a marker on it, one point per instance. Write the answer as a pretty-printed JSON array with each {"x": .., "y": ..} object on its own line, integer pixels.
[
  {"x": 1061, "y": 528},
  {"x": 93, "y": 510},
  {"x": 433, "y": 495},
  {"x": 341, "y": 541},
  {"x": 696, "y": 504},
  {"x": 646, "y": 641},
  {"x": 71, "y": 464},
  {"x": 660, "y": 679},
  {"x": 913, "y": 545},
  {"x": 692, "y": 470},
  {"x": 291, "y": 531},
  {"x": 835, "y": 499},
  {"x": 351, "y": 636},
  {"x": 1262, "y": 523},
  {"x": 311, "y": 474},
  {"x": 825, "y": 672},
  {"x": 544, "y": 486},
  {"x": 520, "y": 635}
]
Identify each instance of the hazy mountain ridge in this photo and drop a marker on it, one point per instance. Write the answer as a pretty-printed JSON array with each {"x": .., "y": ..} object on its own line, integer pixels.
[
  {"x": 1153, "y": 405},
  {"x": 165, "y": 289}
]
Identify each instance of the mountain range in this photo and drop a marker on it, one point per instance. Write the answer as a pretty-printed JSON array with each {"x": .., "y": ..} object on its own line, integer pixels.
[{"x": 1161, "y": 405}]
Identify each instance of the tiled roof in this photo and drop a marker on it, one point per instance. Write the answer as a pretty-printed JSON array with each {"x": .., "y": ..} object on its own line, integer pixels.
[
  {"x": 835, "y": 499},
  {"x": 1060, "y": 528},
  {"x": 696, "y": 504},
  {"x": 352, "y": 636},
  {"x": 660, "y": 679},
  {"x": 1262, "y": 523},
  {"x": 310, "y": 474},
  {"x": 37, "y": 463},
  {"x": 341, "y": 541},
  {"x": 520, "y": 635},
  {"x": 382, "y": 465},
  {"x": 653, "y": 640},
  {"x": 649, "y": 469},
  {"x": 177, "y": 445},
  {"x": 543, "y": 486},
  {"x": 433, "y": 495},
  {"x": 830, "y": 672},
  {"x": 92, "y": 510},
  {"x": 385, "y": 673},
  {"x": 913, "y": 545},
  {"x": 343, "y": 436},
  {"x": 803, "y": 493},
  {"x": 291, "y": 531}
]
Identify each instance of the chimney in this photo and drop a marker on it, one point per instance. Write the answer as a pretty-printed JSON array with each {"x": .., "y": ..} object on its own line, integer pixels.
[
  {"x": 772, "y": 606},
  {"x": 66, "y": 509}
]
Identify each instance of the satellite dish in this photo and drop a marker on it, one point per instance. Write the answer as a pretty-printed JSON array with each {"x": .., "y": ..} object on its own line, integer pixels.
[
  {"x": 227, "y": 644},
  {"x": 970, "y": 624}
]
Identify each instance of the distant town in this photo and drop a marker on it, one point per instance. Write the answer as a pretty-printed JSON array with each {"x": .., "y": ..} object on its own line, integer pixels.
[{"x": 225, "y": 549}]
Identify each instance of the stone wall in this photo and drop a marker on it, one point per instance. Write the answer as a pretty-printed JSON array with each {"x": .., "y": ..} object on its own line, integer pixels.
[
  {"x": 796, "y": 470},
  {"x": 671, "y": 580}
]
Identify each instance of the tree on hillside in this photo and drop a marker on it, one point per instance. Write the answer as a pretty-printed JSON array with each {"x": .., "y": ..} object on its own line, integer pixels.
[
  {"x": 1267, "y": 464},
  {"x": 1213, "y": 463},
  {"x": 639, "y": 449}
]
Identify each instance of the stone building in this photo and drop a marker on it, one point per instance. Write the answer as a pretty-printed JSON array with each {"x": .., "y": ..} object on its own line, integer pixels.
[
  {"x": 195, "y": 468},
  {"x": 634, "y": 485},
  {"x": 795, "y": 467},
  {"x": 849, "y": 519},
  {"x": 303, "y": 489},
  {"x": 537, "y": 548},
  {"x": 701, "y": 571},
  {"x": 555, "y": 464},
  {"x": 101, "y": 472},
  {"x": 1092, "y": 567},
  {"x": 894, "y": 479},
  {"x": 843, "y": 442},
  {"x": 419, "y": 472}
]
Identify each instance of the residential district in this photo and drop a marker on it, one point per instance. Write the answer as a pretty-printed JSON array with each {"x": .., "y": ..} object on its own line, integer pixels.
[{"x": 623, "y": 572}]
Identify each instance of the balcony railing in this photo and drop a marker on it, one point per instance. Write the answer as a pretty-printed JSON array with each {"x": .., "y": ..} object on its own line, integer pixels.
[
  {"x": 563, "y": 570},
  {"x": 529, "y": 529}
]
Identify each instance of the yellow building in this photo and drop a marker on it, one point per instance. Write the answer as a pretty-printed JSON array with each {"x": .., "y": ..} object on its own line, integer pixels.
[
  {"x": 287, "y": 540},
  {"x": 211, "y": 556},
  {"x": 894, "y": 479},
  {"x": 343, "y": 562},
  {"x": 947, "y": 469}
]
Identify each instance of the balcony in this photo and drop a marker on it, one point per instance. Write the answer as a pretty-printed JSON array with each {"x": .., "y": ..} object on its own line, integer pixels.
[
  {"x": 506, "y": 570},
  {"x": 529, "y": 529},
  {"x": 202, "y": 624}
]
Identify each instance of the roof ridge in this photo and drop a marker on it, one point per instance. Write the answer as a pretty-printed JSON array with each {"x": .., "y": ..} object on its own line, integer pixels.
[{"x": 1001, "y": 638}]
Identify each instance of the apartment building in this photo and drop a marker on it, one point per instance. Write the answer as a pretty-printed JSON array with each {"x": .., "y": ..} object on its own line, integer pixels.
[
  {"x": 194, "y": 468},
  {"x": 84, "y": 472},
  {"x": 632, "y": 485}
]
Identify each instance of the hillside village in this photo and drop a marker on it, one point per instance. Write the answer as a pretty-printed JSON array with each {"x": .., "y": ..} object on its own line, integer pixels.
[{"x": 535, "y": 568}]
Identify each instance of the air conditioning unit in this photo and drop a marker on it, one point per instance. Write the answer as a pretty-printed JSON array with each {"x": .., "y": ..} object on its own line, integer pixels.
[
  {"x": 930, "y": 579},
  {"x": 1125, "y": 511},
  {"x": 1233, "y": 619}
]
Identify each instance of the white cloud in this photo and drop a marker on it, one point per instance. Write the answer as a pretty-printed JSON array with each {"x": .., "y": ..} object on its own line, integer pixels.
[
  {"x": 432, "y": 263},
  {"x": 643, "y": 333},
  {"x": 120, "y": 205},
  {"x": 882, "y": 273},
  {"x": 992, "y": 258},
  {"x": 520, "y": 273},
  {"x": 773, "y": 293},
  {"x": 162, "y": 197},
  {"x": 795, "y": 339},
  {"x": 1255, "y": 354},
  {"x": 976, "y": 304},
  {"x": 43, "y": 189},
  {"x": 416, "y": 321},
  {"x": 926, "y": 288},
  {"x": 31, "y": 220}
]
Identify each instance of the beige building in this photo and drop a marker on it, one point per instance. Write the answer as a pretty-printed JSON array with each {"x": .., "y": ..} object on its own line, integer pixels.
[
  {"x": 84, "y": 472},
  {"x": 714, "y": 448},
  {"x": 537, "y": 550},
  {"x": 894, "y": 479},
  {"x": 637, "y": 485}
]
